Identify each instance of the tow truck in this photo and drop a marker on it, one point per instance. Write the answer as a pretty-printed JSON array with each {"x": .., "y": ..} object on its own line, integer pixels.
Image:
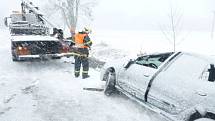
[{"x": 31, "y": 38}]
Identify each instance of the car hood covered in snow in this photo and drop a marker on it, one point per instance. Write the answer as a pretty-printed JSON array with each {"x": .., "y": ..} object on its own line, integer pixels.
[{"x": 117, "y": 64}]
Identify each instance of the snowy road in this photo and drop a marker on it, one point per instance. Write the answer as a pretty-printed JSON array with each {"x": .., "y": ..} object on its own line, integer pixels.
[{"x": 48, "y": 91}]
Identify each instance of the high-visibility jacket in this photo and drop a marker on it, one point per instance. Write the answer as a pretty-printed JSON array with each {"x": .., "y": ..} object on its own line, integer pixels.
[{"x": 79, "y": 40}]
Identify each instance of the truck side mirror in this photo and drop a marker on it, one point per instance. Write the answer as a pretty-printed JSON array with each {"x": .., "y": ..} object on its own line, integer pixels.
[{"x": 5, "y": 21}]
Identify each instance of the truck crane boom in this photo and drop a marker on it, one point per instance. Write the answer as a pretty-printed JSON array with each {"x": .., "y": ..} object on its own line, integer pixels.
[{"x": 33, "y": 9}]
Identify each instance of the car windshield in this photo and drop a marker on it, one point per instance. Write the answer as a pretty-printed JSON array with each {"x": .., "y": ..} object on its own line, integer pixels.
[{"x": 153, "y": 61}]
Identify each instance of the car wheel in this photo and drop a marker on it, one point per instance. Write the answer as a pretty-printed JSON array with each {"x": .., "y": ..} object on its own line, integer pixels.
[
  {"x": 110, "y": 83},
  {"x": 198, "y": 117},
  {"x": 204, "y": 119}
]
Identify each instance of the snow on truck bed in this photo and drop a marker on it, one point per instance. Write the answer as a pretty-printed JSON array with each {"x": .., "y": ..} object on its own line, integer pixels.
[{"x": 33, "y": 38}]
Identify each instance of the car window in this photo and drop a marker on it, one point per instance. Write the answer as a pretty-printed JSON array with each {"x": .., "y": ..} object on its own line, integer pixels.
[{"x": 153, "y": 61}]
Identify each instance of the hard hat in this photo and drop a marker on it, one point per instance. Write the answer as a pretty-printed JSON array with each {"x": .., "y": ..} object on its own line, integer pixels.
[{"x": 87, "y": 30}]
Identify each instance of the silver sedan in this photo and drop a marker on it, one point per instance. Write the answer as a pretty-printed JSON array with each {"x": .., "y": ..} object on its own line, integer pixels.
[{"x": 179, "y": 86}]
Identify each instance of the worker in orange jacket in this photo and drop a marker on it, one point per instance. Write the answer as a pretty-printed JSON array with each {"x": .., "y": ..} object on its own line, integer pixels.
[{"x": 82, "y": 44}]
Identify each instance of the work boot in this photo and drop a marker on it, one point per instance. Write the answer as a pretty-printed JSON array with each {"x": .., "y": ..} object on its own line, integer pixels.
[
  {"x": 76, "y": 75},
  {"x": 85, "y": 76}
]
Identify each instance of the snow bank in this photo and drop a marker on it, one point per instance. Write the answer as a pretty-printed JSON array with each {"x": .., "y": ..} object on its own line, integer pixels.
[{"x": 104, "y": 52}]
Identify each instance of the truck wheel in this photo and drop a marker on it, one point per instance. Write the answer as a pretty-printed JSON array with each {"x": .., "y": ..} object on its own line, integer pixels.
[
  {"x": 14, "y": 59},
  {"x": 56, "y": 58}
]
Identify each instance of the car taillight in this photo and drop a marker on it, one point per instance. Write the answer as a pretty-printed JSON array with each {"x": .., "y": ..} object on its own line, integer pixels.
[{"x": 22, "y": 50}]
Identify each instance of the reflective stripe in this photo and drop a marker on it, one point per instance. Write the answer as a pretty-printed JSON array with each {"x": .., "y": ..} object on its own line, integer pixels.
[
  {"x": 85, "y": 72},
  {"x": 79, "y": 45},
  {"x": 76, "y": 54},
  {"x": 77, "y": 71},
  {"x": 89, "y": 42}
]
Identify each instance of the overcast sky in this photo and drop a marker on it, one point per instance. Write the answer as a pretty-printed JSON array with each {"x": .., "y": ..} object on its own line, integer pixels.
[
  {"x": 141, "y": 14},
  {"x": 150, "y": 14}
]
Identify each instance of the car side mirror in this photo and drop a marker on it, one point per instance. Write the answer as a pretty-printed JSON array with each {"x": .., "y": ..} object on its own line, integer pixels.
[
  {"x": 128, "y": 64},
  {"x": 211, "y": 77}
]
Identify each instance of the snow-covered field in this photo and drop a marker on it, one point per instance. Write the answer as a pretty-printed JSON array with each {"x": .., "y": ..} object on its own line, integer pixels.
[
  {"x": 134, "y": 42},
  {"x": 48, "y": 91}
]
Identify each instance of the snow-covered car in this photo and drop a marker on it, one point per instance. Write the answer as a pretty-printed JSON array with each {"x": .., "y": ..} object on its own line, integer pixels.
[
  {"x": 37, "y": 47},
  {"x": 179, "y": 86}
]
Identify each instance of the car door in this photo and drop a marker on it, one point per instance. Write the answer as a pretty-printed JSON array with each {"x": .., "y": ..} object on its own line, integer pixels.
[
  {"x": 177, "y": 87},
  {"x": 135, "y": 78}
]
